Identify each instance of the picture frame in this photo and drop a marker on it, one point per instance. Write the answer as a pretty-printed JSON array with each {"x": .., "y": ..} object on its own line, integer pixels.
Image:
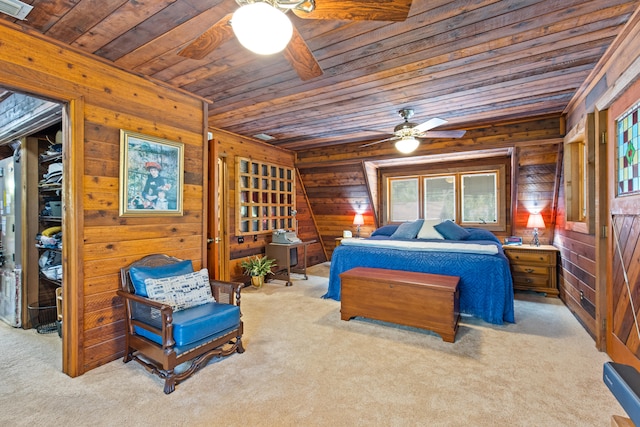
[{"x": 151, "y": 175}]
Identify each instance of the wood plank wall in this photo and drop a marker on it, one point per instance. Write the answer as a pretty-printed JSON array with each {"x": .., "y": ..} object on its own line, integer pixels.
[
  {"x": 232, "y": 146},
  {"x": 336, "y": 194},
  {"x": 577, "y": 268},
  {"x": 536, "y": 189},
  {"x": 106, "y": 99},
  {"x": 336, "y": 178},
  {"x": 586, "y": 257}
]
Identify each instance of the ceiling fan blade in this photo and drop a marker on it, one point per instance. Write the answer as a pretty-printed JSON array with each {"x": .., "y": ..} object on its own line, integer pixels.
[
  {"x": 208, "y": 41},
  {"x": 378, "y": 142},
  {"x": 301, "y": 58},
  {"x": 358, "y": 10},
  {"x": 443, "y": 134},
  {"x": 430, "y": 124}
]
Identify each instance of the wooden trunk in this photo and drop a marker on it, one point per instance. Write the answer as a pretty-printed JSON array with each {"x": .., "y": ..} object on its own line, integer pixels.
[{"x": 422, "y": 300}]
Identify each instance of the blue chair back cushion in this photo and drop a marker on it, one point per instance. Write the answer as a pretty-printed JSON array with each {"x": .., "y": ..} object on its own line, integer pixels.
[
  {"x": 139, "y": 274},
  {"x": 199, "y": 323}
]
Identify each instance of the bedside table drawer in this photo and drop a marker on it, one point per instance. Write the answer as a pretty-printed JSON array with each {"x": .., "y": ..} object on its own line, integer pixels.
[
  {"x": 530, "y": 280},
  {"x": 530, "y": 269},
  {"x": 527, "y": 257}
]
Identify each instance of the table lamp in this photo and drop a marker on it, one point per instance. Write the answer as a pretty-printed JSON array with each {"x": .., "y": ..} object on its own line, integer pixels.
[
  {"x": 535, "y": 221},
  {"x": 358, "y": 220}
]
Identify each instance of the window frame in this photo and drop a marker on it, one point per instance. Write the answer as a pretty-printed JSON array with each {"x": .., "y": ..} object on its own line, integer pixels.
[
  {"x": 429, "y": 172},
  {"x": 579, "y": 176}
]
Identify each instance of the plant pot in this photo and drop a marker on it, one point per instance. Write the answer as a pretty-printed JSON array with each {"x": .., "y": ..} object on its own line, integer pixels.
[{"x": 257, "y": 281}]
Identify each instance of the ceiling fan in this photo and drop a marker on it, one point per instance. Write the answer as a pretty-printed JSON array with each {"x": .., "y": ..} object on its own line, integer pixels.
[
  {"x": 257, "y": 20},
  {"x": 407, "y": 134}
]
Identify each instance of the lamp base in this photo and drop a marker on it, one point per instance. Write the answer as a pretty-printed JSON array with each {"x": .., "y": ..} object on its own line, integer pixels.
[
  {"x": 535, "y": 241},
  {"x": 357, "y": 231}
]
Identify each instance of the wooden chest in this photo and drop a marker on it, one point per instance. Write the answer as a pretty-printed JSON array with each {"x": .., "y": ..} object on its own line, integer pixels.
[{"x": 422, "y": 300}]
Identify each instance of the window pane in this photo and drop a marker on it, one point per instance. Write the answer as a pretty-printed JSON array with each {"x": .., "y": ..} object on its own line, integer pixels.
[
  {"x": 403, "y": 199},
  {"x": 440, "y": 198},
  {"x": 628, "y": 149},
  {"x": 479, "y": 198}
]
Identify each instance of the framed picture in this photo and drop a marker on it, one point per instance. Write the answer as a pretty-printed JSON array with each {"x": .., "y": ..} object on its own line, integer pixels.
[{"x": 151, "y": 175}]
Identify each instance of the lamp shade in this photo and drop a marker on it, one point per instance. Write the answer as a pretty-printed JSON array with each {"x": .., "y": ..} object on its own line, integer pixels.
[
  {"x": 407, "y": 144},
  {"x": 358, "y": 219},
  {"x": 261, "y": 28},
  {"x": 535, "y": 221}
]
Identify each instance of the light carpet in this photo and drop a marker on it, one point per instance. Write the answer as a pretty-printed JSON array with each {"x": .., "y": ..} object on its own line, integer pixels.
[{"x": 303, "y": 366}]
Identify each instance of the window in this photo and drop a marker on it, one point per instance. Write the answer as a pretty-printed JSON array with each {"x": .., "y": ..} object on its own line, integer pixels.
[
  {"x": 480, "y": 198},
  {"x": 575, "y": 188},
  {"x": 403, "y": 199},
  {"x": 266, "y": 197},
  {"x": 579, "y": 176},
  {"x": 470, "y": 198},
  {"x": 439, "y": 197},
  {"x": 627, "y": 158}
]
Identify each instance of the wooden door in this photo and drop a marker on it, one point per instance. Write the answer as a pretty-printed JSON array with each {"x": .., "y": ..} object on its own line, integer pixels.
[
  {"x": 213, "y": 212},
  {"x": 217, "y": 241},
  {"x": 623, "y": 272}
]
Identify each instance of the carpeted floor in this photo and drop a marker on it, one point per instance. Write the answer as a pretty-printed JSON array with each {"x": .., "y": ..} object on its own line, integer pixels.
[{"x": 303, "y": 366}]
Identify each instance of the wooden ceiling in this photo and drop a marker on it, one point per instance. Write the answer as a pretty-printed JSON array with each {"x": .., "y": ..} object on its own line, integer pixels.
[{"x": 466, "y": 61}]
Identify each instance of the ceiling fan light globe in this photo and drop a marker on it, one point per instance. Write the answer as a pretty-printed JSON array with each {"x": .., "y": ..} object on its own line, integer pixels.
[
  {"x": 262, "y": 28},
  {"x": 407, "y": 145}
]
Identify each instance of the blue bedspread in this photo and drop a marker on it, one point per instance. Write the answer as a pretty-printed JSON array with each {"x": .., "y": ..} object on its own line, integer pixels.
[{"x": 486, "y": 287}]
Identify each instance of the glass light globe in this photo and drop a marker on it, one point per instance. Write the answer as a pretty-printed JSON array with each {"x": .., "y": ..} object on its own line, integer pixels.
[
  {"x": 407, "y": 144},
  {"x": 261, "y": 28}
]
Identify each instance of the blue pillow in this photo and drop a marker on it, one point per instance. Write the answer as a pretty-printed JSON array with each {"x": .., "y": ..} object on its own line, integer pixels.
[
  {"x": 481, "y": 234},
  {"x": 451, "y": 231},
  {"x": 139, "y": 274},
  {"x": 385, "y": 230},
  {"x": 407, "y": 230}
]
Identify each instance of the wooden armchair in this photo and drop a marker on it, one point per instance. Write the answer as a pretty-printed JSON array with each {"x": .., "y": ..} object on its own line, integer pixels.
[{"x": 160, "y": 337}]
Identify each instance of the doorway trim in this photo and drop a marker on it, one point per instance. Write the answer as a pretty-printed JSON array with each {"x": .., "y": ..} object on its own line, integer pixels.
[{"x": 72, "y": 226}]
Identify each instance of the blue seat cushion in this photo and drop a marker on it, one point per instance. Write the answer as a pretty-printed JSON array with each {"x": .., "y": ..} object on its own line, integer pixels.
[
  {"x": 139, "y": 274},
  {"x": 198, "y": 323}
]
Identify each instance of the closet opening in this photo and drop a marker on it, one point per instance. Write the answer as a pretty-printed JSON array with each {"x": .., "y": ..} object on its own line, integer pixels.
[{"x": 31, "y": 213}]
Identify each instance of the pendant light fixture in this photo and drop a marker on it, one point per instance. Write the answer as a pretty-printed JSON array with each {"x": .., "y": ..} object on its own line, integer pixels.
[{"x": 262, "y": 28}]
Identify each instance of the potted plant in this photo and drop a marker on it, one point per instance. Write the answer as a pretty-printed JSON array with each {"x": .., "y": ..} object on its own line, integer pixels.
[{"x": 257, "y": 267}]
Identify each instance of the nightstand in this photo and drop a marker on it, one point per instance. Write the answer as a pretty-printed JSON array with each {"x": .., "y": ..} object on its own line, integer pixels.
[{"x": 534, "y": 268}]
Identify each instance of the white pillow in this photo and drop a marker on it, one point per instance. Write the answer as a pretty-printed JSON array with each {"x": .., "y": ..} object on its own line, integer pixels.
[
  {"x": 428, "y": 232},
  {"x": 180, "y": 292}
]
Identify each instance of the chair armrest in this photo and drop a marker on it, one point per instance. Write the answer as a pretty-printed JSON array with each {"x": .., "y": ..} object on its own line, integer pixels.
[
  {"x": 226, "y": 292},
  {"x": 141, "y": 300},
  {"x": 164, "y": 329}
]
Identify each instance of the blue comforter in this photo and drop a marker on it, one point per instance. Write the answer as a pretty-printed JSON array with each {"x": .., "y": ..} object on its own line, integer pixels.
[{"x": 486, "y": 288}]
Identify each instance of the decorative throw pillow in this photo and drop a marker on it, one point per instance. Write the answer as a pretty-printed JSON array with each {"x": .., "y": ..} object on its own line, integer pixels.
[
  {"x": 451, "y": 231},
  {"x": 407, "y": 230},
  {"x": 481, "y": 234},
  {"x": 427, "y": 231},
  {"x": 180, "y": 292},
  {"x": 139, "y": 274},
  {"x": 385, "y": 230}
]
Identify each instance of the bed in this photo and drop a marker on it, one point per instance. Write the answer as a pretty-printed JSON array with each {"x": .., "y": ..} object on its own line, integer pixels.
[{"x": 474, "y": 255}]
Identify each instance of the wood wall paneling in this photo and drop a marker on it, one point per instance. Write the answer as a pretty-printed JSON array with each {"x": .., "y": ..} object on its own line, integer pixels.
[
  {"x": 336, "y": 194},
  {"x": 536, "y": 189},
  {"x": 107, "y": 99},
  {"x": 336, "y": 180},
  {"x": 577, "y": 268},
  {"x": 585, "y": 256},
  {"x": 232, "y": 145}
]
